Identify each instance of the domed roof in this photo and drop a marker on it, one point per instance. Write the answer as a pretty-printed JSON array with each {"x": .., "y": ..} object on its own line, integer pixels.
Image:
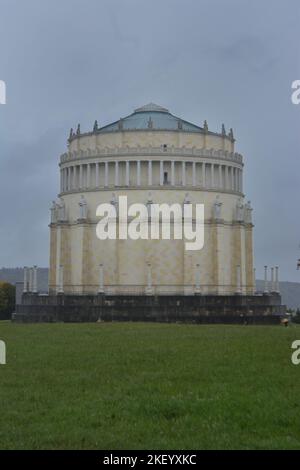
[{"x": 151, "y": 117}]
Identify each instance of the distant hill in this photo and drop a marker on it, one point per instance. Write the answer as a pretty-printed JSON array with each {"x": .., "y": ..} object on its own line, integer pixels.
[
  {"x": 14, "y": 275},
  {"x": 290, "y": 291}
]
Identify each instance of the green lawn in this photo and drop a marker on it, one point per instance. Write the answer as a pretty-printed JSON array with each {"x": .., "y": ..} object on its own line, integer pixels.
[{"x": 149, "y": 386}]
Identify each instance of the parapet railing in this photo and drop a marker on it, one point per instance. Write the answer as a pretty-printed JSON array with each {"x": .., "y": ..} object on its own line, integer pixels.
[
  {"x": 154, "y": 151},
  {"x": 154, "y": 289}
]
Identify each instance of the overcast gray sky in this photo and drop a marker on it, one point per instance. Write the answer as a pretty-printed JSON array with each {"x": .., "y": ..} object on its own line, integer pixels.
[{"x": 70, "y": 61}]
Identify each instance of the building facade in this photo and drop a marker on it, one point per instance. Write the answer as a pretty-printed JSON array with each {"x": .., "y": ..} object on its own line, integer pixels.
[{"x": 151, "y": 156}]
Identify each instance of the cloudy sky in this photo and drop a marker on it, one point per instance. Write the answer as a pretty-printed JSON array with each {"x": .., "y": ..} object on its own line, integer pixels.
[{"x": 71, "y": 61}]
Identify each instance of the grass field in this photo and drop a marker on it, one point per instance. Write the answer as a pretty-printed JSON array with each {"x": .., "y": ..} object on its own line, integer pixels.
[{"x": 149, "y": 386}]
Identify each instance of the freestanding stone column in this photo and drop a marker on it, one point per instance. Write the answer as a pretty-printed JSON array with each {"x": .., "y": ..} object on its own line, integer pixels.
[
  {"x": 34, "y": 287},
  {"x": 194, "y": 173},
  {"x": 61, "y": 280},
  {"x": 116, "y": 173},
  {"x": 172, "y": 173},
  {"x": 183, "y": 173},
  {"x": 254, "y": 280},
  {"x": 272, "y": 280},
  {"x": 25, "y": 285},
  {"x": 127, "y": 173},
  {"x": 277, "y": 279},
  {"x": 101, "y": 279},
  {"x": 197, "y": 279},
  {"x": 266, "y": 289},
  {"x": 150, "y": 173},
  {"x": 161, "y": 173},
  {"x": 106, "y": 174},
  {"x": 30, "y": 283},
  {"x": 149, "y": 290},
  {"x": 238, "y": 280}
]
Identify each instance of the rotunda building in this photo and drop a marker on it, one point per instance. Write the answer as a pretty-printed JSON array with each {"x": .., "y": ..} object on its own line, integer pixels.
[{"x": 151, "y": 156}]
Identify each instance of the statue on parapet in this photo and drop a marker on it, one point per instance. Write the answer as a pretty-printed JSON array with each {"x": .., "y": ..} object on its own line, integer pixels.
[
  {"x": 82, "y": 208},
  {"x": 217, "y": 207}
]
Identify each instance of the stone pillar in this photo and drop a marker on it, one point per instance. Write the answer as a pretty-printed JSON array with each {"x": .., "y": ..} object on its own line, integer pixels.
[
  {"x": 25, "y": 282},
  {"x": 74, "y": 177},
  {"x": 149, "y": 289},
  {"x": 61, "y": 181},
  {"x": 61, "y": 280},
  {"x": 101, "y": 279},
  {"x": 106, "y": 174},
  {"x": 183, "y": 173},
  {"x": 34, "y": 280},
  {"x": 116, "y": 173},
  {"x": 254, "y": 280},
  {"x": 80, "y": 176},
  {"x": 266, "y": 288},
  {"x": 241, "y": 181},
  {"x": 88, "y": 175},
  {"x": 30, "y": 282},
  {"x": 172, "y": 173},
  {"x": 226, "y": 185},
  {"x": 277, "y": 279},
  {"x": 161, "y": 173},
  {"x": 272, "y": 280},
  {"x": 194, "y": 174},
  {"x": 138, "y": 173},
  {"x": 204, "y": 175},
  {"x": 220, "y": 177},
  {"x": 238, "y": 280},
  {"x": 97, "y": 175},
  {"x": 212, "y": 175},
  {"x": 127, "y": 173},
  {"x": 197, "y": 279},
  {"x": 150, "y": 173}
]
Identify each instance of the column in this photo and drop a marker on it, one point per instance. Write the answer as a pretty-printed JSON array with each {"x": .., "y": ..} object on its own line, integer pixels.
[
  {"x": 197, "y": 279},
  {"x": 149, "y": 290},
  {"x": 194, "y": 174},
  {"x": 226, "y": 185},
  {"x": 150, "y": 173},
  {"x": 266, "y": 288},
  {"x": 238, "y": 280},
  {"x": 74, "y": 177},
  {"x": 241, "y": 181},
  {"x": 34, "y": 280},
  {"x": 172, "y": 173},
  {"x": 127, "y": 173},
  {"x": 212, "y": 175},
  {"x": 25, "y": 282},
  {"x": 106, "y": 174},
  {"x": 101, "y": 279},
  {"x": 203, "y": 175},
  {"x": 220, "y": 177},
  {"x": 272, "y": 280},
  {"x": 116, "y": 173},
  {"x": 161, "y": 172},
  {"x": 61, "y": 181},
  {"x": 183, "y": 173},
  {"x": 277, "y": 279},
  {"x": 80, "y": 177},
  {"x": 88, "y": 175},
  {"x": 97, "y": 175},
  {"x": 254, "y": 279},
  {"x": 61, "y": 280},
  {"x": 138, "y": 173},
  {"x": 30, "y": 283}
]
